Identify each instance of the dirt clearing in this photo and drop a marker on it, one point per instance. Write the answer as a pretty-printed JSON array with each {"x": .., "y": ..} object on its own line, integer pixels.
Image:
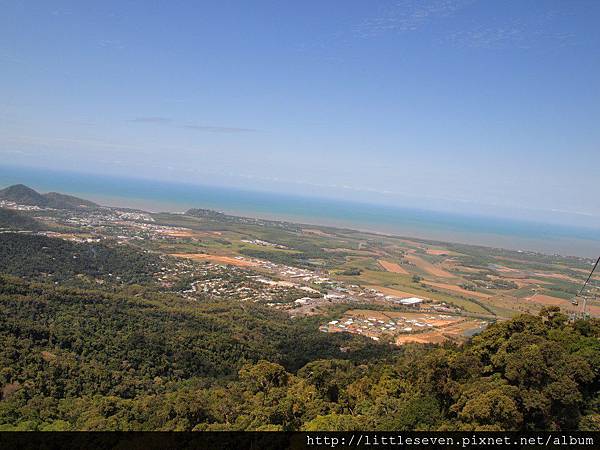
[
  {"x": 428, "y": 267},
  {"x": 437, "y": 252},
  {"x": 459, "y": 290},
  {"x": 433, "y": 337},
  {"x": 393, "y": 267},
  {"x": 317, "y": 232},
  {"x": 396, "y": 292},
  {"x": 180, "y": 233},
  {"x": 548, "y": 300},
  {"x": 216, "y": 258}
]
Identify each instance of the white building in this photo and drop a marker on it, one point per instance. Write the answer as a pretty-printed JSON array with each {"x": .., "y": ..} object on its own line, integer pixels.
[{"x": 411, "y": 301}]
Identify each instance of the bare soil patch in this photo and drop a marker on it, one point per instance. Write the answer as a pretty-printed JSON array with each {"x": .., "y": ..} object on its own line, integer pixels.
[
  {"x": 548, "y": 300},
  {"x": 437, "y": 252},
  {"x": 215, "y": 258},
  {"x": 47, "y": 356},
  {"x": 393, "y": 267},
  {"x": 559, "y": 276},
  {"x": 521, "y": 282},
  {"x": 428, "y": 267},
  {"x": 396, "y": 292},
  {"x": 504, "y": 269},
  {"x": 317, "y": 232},
  {"x": 432, "y": 337},
  {"x": 180, "y": 233},
  {"x": 466, "y": 269},
  {"x": 458, "y": 289}
]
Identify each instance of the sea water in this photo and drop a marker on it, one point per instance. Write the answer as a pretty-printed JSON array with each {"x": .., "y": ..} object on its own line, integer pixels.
[{"x": 157, "y": 196}]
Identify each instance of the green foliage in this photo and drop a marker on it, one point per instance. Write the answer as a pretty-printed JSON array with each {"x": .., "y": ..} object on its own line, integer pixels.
[
  {"x": 295, "y": 259},
  {"x": 29, "y": 255},
  {"x": 205, "y": 213},
  {"x": 16, "y": 220},
  {"x": 333, "y": 422},
  {"x": 353, "y": 271},
  {"x": 74, "y": 359}
]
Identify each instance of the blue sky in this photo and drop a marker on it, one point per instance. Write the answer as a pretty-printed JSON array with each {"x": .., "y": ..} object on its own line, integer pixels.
[{"x": 474, "y": 106}]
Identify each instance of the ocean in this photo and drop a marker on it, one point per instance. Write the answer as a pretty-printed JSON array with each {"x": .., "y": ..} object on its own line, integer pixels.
[{"x": 408, "y": 222}]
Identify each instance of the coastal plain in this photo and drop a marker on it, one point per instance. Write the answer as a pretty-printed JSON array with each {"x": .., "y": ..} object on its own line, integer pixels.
[{"x": 334, "y": 273}]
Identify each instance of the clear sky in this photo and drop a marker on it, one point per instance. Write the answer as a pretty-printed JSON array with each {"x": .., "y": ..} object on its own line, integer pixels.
[{"x": 476, "y": 106}]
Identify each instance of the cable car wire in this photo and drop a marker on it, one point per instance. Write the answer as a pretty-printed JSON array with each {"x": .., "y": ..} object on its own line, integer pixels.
[{"x": 589, "y": 277}]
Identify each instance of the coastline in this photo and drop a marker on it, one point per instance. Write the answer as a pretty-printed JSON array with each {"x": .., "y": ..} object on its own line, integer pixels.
[{"x": 159, "y": 196}]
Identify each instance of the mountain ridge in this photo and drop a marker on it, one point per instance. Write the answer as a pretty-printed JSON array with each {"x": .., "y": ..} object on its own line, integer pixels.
[{"x": 24, "y": 195}]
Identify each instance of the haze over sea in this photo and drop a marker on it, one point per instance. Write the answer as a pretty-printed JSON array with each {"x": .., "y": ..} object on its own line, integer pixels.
[{"x": 157, "y": 196}]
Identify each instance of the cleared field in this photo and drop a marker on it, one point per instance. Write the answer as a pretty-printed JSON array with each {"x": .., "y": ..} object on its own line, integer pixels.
[
  {"x": 504, "y": 269},
  {"x": 565, "y": 305},
  {"x": 215, "y": 258},
  {"x": 69, "y": 236},
  {"x": 393, "y": 267},
  {"x": 437, "y": 252},
  {"x": 428, "y": 267},
  {"x": 458, "y": 289},
  {"x": 548, "y": 300},
  {"x": 317, "y": 232},
  {"x": 406, "y": 286},
  {"x": 191, "y": 233},
  {"x": 396, "y": 292},
  {"x": 465, "y": 269},
  {"x": 507, "y": 306},
  {"x": 523, "y": 282},
  {"x": 432, "y": 337},
  {"x": 409, "y": 242},
  {"x": 181, "y": 233},
  {"x": 560, "y": 276},
  {"x": 379, "y": 277},
  {"x": 594, "y": 310}
]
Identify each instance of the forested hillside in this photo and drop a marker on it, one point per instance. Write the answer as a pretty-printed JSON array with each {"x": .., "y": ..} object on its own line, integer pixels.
[
  {"x": 29, "y": 255},
  {"x": 15, "y": 220},
  {"x": 24, "y": 195},
  {"x": 75, "y": 359}
]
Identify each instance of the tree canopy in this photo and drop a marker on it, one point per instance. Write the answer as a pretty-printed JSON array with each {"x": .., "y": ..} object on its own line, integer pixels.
[{"x": 79, "y": 359}]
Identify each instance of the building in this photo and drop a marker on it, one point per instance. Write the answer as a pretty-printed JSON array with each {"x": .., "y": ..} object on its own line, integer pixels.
[{"x": 411, "y": 301}]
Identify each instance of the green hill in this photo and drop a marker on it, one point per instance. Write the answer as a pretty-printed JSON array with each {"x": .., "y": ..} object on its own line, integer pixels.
[{"x": 24, "y": 195}]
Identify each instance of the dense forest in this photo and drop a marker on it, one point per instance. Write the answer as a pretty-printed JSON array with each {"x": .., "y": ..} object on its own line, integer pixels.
[
  {"x": 15, "y": 220},
  {"x": 140, "y": 360},
  {"x": 30, "y": 255}
]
